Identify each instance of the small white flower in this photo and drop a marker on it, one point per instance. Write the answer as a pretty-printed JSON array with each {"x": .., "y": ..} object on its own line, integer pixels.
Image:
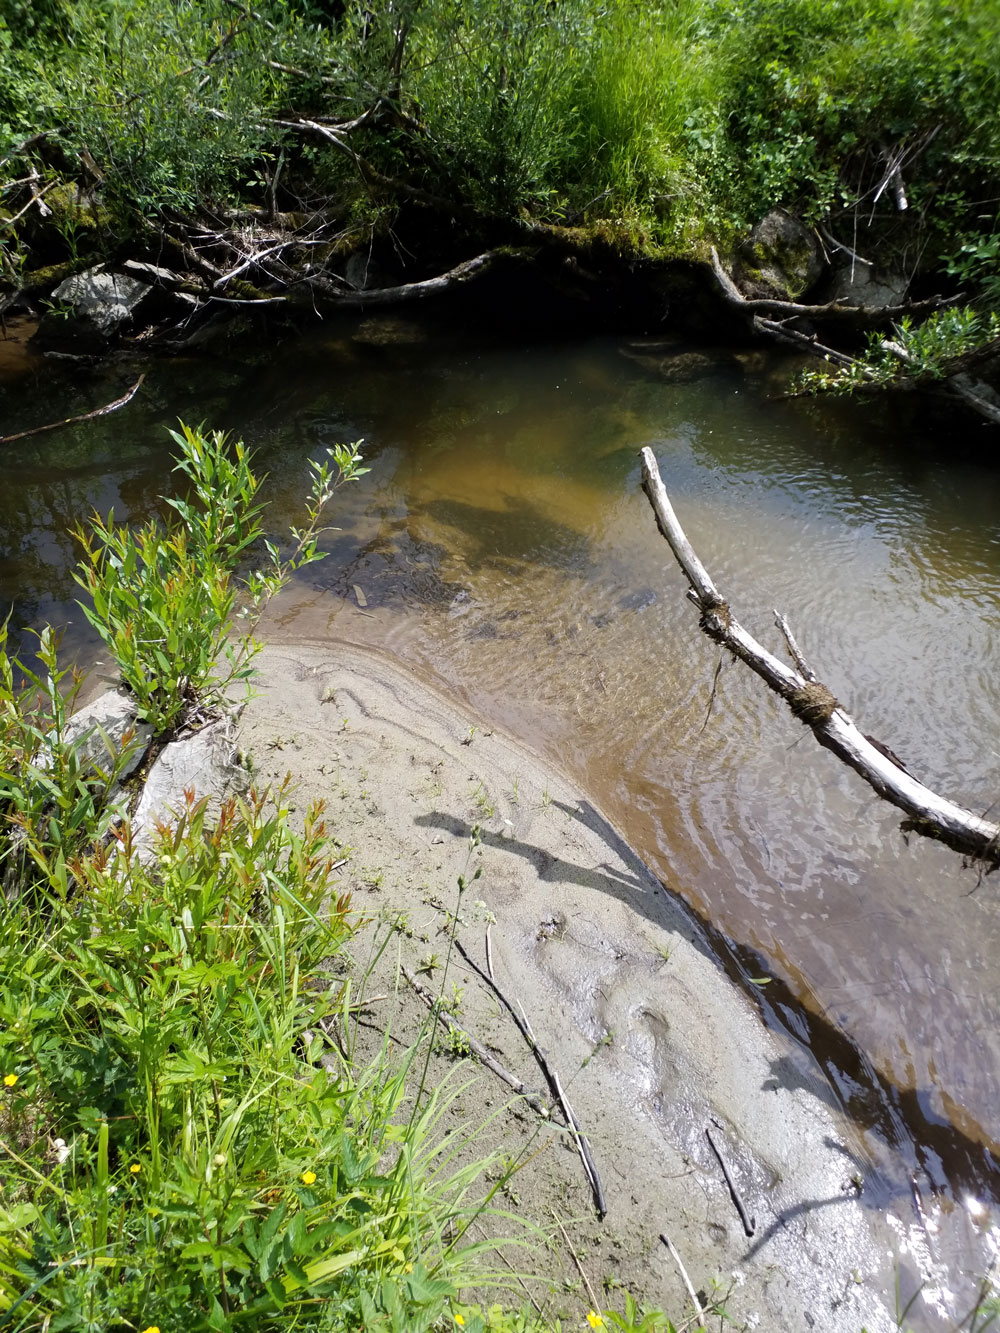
[
  {"x": 62, "y": 1151},
  {"x": 739, "y": 1277}
]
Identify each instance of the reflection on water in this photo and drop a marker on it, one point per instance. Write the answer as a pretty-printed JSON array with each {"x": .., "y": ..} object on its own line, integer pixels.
[{"x": 502, "y": 545}]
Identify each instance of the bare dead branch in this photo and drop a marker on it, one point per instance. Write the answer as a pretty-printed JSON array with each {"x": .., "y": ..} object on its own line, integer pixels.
[
  {"x": 978, "y": 395},
  {"x": 410, "y": 291},
  {"x": 831, "y": 309},
  {"x": 783, "y": 332},
  {"x": 551, "y": 1077},
  {"x": 749, "y": 1223},
  {"x": 477, "y": 1048},
  {"x": 930, "y": 814},
  {"x": 796, "y": 652},
  {"x": 9, "y": 222}
]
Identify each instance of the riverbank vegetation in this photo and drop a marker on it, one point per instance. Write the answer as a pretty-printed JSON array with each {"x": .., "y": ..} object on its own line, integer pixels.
[
  {"x": 189, "y": 1137},
  {"x": 675, "y": 123},
  {"x": 256, "y": 147}
]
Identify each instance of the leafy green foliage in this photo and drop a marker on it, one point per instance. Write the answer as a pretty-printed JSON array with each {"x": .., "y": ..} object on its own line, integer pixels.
[
  {"x": 680, "y": 120},
  {"x": 931, "y": 350},
  {"x": 182, "y": 1143},
  {"x": 52, "y": 802},
  {"x": 163, "y": 598},
  {"x": 177, "y": 1150}
]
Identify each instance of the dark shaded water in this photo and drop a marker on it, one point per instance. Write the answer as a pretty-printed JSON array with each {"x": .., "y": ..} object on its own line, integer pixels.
[{"x": 503, "y": 547}]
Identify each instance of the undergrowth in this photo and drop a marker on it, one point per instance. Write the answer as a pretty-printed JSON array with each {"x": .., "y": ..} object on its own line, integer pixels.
[{"x": 680, "y": 123}]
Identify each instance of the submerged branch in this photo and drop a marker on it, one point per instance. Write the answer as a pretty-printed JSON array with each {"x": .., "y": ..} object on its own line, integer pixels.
[
  {"x": 929, "y": 814},
  {"x": 85, "y": 416}
]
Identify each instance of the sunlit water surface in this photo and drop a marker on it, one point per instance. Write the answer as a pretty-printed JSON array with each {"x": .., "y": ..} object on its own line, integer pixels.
[{"x": 502, "y": 546}]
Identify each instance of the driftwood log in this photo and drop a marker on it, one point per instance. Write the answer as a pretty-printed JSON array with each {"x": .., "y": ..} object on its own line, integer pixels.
[{"x": 811, "y": 701}]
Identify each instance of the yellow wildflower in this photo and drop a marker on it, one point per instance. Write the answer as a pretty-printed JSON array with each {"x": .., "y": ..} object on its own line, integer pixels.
[
  {"x": 460, "y": 1321},
  {"x": 594, "y": 1319},
  {"x": 407, "y": 1268},
  {"x": 135, "y": 1168},
  {"x": 308, "y": 1177},
  {"x": 152, "y": 1329},
  {"x": 9, "y": 1080}
]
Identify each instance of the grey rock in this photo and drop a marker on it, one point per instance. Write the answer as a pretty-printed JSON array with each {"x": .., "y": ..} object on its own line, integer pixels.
[
  {"x": 154, "y": 274},
  {"x": 106, "y": 729},
  {"x": 95, "y": 308},
  {"x": 780, "y": 259},
  {"x": 857, "y": 283},
  {"x": 207, "y": 763}
]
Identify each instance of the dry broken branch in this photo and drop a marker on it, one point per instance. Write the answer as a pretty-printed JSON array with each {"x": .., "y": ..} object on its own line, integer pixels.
[
  {"x": 478, "y": 1049},
  {"x": 410, "y": 291},
  {"x": 749, "y": 1223},
  {"x": 815, "y": 705},
  {"x": 551, "y": 1077}
]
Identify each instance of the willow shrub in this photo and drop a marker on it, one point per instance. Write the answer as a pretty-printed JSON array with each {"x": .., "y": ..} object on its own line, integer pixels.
[{"x": 164, "y": 598}]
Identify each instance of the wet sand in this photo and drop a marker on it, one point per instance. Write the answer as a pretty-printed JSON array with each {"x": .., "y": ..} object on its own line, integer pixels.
[{"x": 652, "y": 1041}]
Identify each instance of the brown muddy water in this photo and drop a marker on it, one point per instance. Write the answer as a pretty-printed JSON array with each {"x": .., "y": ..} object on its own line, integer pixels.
[{"x": 502, "y": 547}]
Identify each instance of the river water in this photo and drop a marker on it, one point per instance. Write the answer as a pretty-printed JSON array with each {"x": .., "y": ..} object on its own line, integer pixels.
[{"x": 501, "y": 546}]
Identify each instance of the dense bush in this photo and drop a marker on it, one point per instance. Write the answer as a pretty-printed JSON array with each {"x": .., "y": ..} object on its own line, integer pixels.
[{"x": 684, "y": 120}]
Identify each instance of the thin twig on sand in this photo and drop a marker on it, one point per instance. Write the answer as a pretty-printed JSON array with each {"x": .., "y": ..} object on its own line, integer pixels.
[
  {"x": 576, "y": 1259},
  {"x": 477, "y": 1048},
  {"x": 749, "y": 1223},
  {"x": 552, "y": 1078},
  {"x": 583, "y": 1147},
  {"x": 684, "y": 1276}
]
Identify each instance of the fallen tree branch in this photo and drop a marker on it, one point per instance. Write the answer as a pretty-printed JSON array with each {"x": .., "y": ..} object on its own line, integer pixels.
[
  {"x": 583, "y": 1148},
  {"x": 551, "y": 1077},
  {"x": 9, "y": 222},
  {"x": 976, "y": 393},
  {"x": 780, "y": 330},
  {"x": 929, "y": 814},
  {"x": 85, "y": 416},
  {"x": 410, "y": 291},
  {"x": 370, "y": 174},
  {"x": 749, "y": 1223},
  {"x": 831, "y": 309}
]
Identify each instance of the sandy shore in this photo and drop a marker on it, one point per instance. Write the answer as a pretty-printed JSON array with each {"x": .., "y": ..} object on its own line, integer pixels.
[{"x": 652, "y": 1041}]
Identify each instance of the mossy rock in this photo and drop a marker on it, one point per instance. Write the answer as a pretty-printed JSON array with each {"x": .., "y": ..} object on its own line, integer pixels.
[
  {"x": 780, "y": 259},
  {"x": 51, "y": 275},
  {"x": 77, "y": 222}
]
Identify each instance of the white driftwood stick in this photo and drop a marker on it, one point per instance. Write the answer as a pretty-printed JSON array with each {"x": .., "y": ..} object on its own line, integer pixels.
[{"x": 933, "y": 814}]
